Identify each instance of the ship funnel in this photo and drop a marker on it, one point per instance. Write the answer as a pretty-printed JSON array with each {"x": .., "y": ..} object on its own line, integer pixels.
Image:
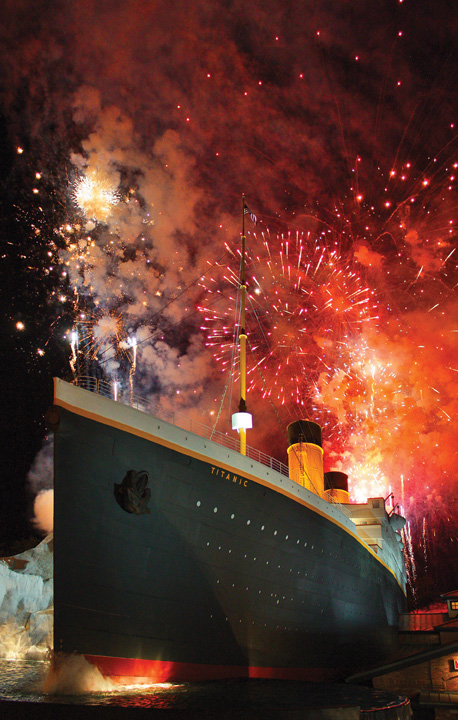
[
  {"x": 336, "y": 487},
  {"x": 305, "y": 455}
]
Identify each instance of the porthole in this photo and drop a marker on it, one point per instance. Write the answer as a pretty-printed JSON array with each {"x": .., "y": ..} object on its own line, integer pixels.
[
  {"x": 248, "y": 522},
  {"x": 232, "y": 516},
  {"x": 275, "y": 532},
  {"x": 198, "y": 503},
  {"x": 215, "y": 509},
  {"x": 262, "y": 527}
]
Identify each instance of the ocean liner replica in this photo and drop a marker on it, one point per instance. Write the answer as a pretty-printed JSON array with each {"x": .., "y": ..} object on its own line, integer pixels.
[{"x": 183, "y": 554}]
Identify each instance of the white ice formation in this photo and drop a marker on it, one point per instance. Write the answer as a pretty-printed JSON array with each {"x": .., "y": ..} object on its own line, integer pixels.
[{"x": 26, "y": 603}]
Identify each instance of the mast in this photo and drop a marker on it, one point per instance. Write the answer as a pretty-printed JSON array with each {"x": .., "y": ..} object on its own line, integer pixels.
[{"x": 242, "y": 420}]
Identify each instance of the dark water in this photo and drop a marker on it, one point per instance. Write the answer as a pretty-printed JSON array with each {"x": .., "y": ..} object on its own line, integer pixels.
[{"x": 30, "y": 689}]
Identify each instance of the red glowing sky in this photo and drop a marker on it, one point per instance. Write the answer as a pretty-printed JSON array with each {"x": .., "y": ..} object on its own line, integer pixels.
[{"x": 337, "y": 121}]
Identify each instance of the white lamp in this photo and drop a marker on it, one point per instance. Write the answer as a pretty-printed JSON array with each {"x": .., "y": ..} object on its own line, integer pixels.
[{"x": 242, "y": 421}]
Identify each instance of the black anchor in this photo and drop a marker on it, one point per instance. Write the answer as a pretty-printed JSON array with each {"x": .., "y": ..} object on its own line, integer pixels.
[{"x": 132, "y": 494}]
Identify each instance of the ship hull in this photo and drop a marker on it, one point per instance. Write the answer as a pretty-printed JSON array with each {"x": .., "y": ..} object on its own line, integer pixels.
[{"x": 224, "y": 576}]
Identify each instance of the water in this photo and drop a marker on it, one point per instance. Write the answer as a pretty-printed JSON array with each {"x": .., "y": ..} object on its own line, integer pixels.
[
  {"x": 79, "y": 687},
  {"x": 35, "y": 682}
]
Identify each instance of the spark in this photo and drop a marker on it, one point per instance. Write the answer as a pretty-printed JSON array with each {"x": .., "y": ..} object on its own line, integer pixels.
[{"x": 96, "y": 195}]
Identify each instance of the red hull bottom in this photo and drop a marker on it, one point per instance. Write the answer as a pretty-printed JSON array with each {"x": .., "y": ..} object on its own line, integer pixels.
[{"x": 131, "y": 670}]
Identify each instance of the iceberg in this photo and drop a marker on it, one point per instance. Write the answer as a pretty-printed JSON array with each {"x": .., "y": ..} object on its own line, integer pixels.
[{"x": 26, "y": 603}]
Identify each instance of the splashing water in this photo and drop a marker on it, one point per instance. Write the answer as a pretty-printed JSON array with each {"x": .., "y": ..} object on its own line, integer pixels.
[
  {"x": 16, "y": 643},
  {"x": 73, "y": 675}
]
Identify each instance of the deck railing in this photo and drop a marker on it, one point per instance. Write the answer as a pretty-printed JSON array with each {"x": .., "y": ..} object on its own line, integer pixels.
[
  {"x": 153, "y": 407},
  {"x": 113, "y": 391}
]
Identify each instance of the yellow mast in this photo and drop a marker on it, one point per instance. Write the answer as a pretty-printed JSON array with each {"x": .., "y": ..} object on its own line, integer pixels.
[{"x": 242, "y": 420}]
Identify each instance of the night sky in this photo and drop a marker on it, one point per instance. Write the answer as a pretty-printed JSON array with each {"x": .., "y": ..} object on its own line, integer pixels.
[{"x": 129, "y": 132}]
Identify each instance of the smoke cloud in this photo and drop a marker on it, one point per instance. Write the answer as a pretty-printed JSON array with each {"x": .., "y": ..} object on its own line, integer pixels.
[{"x": 43, "y": 509}]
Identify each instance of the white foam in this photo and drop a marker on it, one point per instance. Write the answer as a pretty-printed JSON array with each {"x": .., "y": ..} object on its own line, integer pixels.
[{"x": 73, "y": 675}]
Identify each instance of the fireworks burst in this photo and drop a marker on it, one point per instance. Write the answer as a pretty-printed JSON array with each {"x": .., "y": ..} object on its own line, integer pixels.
[
  {"x": 99, "y": 340},
  {"x": 96, "y": 195},
  {"x": 305, "y": 303}
]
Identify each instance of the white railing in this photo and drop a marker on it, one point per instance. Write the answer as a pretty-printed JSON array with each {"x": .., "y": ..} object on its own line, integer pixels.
[{"x": 113, "y": 391}]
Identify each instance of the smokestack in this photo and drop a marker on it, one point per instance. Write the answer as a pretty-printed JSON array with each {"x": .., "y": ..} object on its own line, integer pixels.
[
  {"x": 336, "y": 487},
  {"x": 305, "y": 455}
]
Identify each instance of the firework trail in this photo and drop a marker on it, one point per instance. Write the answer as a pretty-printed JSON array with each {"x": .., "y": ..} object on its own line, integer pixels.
[{"x": 409, "y": 557}]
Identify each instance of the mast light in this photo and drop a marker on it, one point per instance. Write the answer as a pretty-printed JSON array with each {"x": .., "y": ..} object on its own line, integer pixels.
[{"x": 242, "y": 421}]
